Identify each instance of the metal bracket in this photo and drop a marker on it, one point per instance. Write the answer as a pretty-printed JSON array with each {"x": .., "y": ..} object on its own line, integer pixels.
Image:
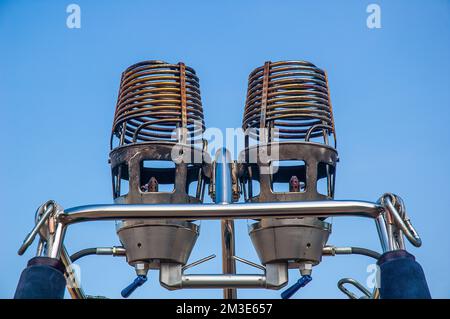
[{"x": 172, "y": 277}]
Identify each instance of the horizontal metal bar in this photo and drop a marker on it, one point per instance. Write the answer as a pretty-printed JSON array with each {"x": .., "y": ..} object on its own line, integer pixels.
[
  {"x": 220, "y": 211},
  {"x": 224, "y": 281}
]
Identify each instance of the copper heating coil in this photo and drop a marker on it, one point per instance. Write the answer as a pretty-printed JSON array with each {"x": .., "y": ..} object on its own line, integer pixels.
[
  {"x": 156, "y": 98},
  {"x": 290, "y": 96}
]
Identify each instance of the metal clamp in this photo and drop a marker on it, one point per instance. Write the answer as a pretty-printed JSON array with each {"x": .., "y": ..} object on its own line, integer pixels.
[
  {"x": 43, "y": 214},
  {"x": 396, "y": 223}
]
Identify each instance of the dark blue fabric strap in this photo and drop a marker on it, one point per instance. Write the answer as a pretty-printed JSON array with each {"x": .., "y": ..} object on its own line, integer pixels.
[
  {"x": 402, "y": 277},
  {"x": 42, "y": 279}
]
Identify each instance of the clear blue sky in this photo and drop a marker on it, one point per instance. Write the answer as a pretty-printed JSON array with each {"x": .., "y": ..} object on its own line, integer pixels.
[{"x": 390, "y": 89}]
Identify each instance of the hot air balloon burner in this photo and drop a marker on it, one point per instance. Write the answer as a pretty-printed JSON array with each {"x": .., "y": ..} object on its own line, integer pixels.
[
  {"x": 158, "y": 157},
  {"x": 161, "y": 168},
  {"x": 289, "y": 123}
]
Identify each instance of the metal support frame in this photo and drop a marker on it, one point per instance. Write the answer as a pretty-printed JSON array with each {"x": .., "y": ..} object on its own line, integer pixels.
[
  {"x": 53, "y": 228},
  {"x": 223, "y": 196},
  {"x": 172, "y": 277}
]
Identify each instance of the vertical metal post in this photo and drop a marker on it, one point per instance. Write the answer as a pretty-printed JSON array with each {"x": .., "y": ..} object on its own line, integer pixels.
[
  {"x": 223, "y": 196},
  {"x": 382, "y": 233},
  {"x": 55, "y": 244}
]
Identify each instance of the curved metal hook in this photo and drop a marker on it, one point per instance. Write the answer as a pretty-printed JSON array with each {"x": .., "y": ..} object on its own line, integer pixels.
[
  {"x": 44, "y": 211},
  {"x": 355, "y": 284},
  {"x": 403, "y": 222}
]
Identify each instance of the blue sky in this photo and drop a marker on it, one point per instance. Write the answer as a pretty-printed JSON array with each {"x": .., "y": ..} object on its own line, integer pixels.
[{"x": 390, "y": 90}]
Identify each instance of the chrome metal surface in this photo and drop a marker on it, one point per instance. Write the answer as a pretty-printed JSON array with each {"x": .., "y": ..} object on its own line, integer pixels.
[
  {"x": 402, "y": 222},
  {"x": 250, "y": 263},
  {"x": 276, "y": 274},
  {"x": 332, "y": 250},
  {"x": 209, "y": 211},
  {"x": 223, "y": 196},
  {"x": 212, "y": 211},
  {"x": 153, "y": 242},
  {"x": 113, "y": 251},
  {"x": 172, "y": 277},
  {"x": 224, "y": 281},
  {"x": 198, "y": 262},
  {"x": 222, "y": 177},
  {"x": 42, "y": 215},
  {"x": 54, "y": 245},
  {"x": 382, "y": 232},
  {"x": 293, "y": 241},
  {"x": 357, "y": 285}
]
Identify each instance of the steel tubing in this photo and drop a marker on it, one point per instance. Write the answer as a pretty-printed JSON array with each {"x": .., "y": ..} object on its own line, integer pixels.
[{"x": 213, "y": 211}]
